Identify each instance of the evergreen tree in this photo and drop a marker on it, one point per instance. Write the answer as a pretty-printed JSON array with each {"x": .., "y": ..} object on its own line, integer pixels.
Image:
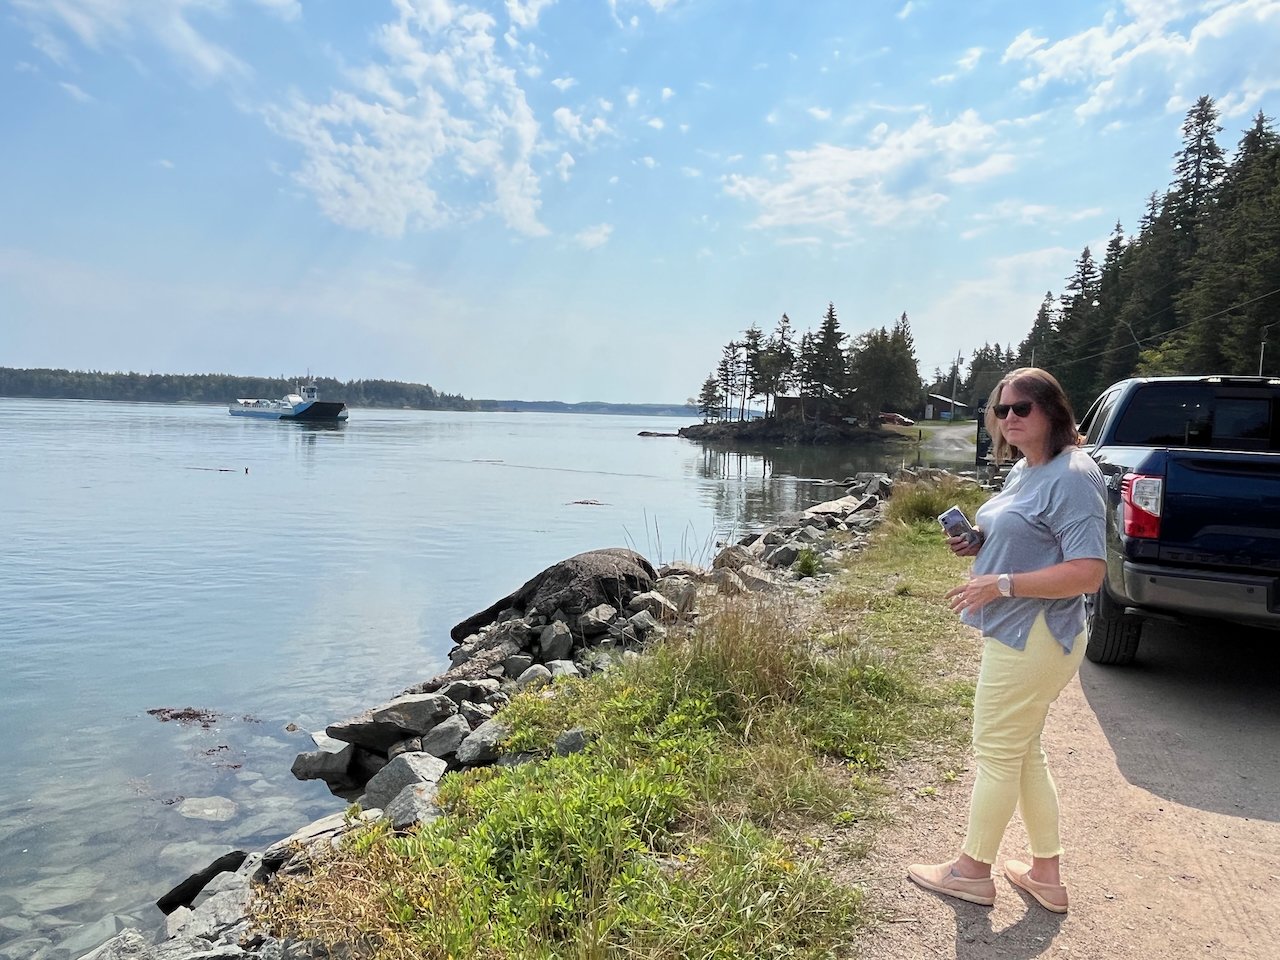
[
  {"x": 883, "y": 368},
  {"x": 1036, "y": 349},
  {"x": 830, "y": 370},
  {"x": 753, "y": 347},
  {"x": 710, "y": 399}
]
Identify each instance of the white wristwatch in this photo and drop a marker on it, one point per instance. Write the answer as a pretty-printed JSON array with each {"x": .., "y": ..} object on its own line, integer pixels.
[{"x": 1004, "y": 583}]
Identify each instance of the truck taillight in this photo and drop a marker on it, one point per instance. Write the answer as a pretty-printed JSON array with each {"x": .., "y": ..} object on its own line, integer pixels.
[{"x": 1142, "y": 497}]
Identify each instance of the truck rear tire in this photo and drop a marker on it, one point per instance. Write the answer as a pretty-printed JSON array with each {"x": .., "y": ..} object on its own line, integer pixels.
[{"x": 1113, "y": 634}]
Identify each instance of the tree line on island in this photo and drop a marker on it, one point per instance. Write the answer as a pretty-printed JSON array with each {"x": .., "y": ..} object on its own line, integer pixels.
[{"x": 1195, "y": 291}]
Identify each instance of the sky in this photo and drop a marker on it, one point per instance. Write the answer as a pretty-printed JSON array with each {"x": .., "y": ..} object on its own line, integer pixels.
[{"x": 575, "y": 199}]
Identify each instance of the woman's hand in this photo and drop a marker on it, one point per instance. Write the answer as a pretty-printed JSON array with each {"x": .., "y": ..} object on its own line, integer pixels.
[
  {"x": 964, "y": 547},
  {"x": 975, "y": 594}
]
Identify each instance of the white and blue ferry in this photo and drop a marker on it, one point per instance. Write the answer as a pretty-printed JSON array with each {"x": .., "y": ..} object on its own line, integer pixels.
[{"x": 304, "y": 405}]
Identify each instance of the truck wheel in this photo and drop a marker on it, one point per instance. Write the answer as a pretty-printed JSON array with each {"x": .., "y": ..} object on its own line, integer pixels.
[{"x": 1113, "y": 634}]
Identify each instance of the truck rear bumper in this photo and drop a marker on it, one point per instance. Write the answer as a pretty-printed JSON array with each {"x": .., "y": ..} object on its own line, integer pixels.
[{"x": 1204, "y": 593}]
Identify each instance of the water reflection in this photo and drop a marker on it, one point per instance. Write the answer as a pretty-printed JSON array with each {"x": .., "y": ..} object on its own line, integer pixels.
[{"x": 750, "y": 489}]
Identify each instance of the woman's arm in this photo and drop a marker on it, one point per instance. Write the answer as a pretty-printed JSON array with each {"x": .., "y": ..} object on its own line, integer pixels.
[{"x": 1071, "y": 578}]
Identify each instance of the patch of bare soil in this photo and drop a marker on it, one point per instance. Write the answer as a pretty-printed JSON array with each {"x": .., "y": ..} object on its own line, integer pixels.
[{"x": 1159, "y": 863}]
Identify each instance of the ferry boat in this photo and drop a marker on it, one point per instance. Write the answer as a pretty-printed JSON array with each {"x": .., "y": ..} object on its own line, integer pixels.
[{"x": 304, "y": 405}]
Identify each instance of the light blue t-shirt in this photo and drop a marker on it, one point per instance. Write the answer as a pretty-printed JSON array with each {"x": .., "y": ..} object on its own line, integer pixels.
[{"x": 1045, "y": 515}]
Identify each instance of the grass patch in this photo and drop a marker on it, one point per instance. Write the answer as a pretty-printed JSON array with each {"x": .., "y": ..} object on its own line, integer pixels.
[{"x": 680, "y": 832}]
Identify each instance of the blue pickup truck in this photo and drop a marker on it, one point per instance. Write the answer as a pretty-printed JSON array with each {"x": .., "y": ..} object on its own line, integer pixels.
[{"x": 1192, "y": 468}]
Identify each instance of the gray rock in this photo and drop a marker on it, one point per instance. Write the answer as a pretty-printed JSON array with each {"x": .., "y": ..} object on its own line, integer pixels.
[
  {"x": 783, "y": 555},
  {"x": 655, "y": 605},
  {"x": 731, "y": 558},
  {"x": 680, "y": 590},
  {"x": 643, "y": 623},
  {"x": 481, "y": 747},
  {"x": 596, "y": 620},
  {"x": 406, "y": 769},
  {"x": 412, "y": 745},
  {"x": 407, "y": 716},
  {"x": 91, "y": 935},
  {"x": 475, "y": 713},
  {"x": 366, "y": 764},
  {"x": 331, "y": 762},
  {"x": 473, "y": 691},
  {"x": 572, "y": 586},
  {"x": 445, "y": 738},
  {"x": 217, "y": 809},
  {"x": 555, "y": 642},
  {"x": 517, "y": 664},
  {"x": 680, "y": 568},
  {"x": 757, "y": 579},
  {"x": 412, "y": 806},
  {"x": 128, "y": 944},
  {"x": 563, "y": 668},
  {"x": 574, "y": 740},
  {"x": 728, "y": 583},
  {"x": 534, "y": 677}
]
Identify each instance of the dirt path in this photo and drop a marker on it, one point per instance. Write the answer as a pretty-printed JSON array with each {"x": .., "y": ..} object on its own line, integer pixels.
[{"x": 1169, "y": 777}]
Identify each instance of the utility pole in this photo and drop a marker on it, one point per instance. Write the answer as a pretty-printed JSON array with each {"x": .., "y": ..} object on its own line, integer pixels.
[{"x": 955, "y": 374}]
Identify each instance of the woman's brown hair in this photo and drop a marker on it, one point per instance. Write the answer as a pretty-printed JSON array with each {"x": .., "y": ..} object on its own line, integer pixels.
[{"x": 1042, "y": 387}]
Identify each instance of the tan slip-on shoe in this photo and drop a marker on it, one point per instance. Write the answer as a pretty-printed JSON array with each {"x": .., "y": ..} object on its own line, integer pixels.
[
  {"x": 942, "y": 878},
  {"x": 1051, "y": 896}
]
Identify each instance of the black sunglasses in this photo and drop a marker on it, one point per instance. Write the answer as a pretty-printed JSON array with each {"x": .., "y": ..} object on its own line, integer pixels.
[{"x": 1022, "y": 408}]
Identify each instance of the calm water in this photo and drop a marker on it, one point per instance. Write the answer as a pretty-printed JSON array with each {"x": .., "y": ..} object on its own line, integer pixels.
[{"x": 276, "y": 573}]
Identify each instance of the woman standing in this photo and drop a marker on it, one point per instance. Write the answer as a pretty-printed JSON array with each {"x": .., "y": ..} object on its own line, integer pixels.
[{"x": 1041, "y": 548}]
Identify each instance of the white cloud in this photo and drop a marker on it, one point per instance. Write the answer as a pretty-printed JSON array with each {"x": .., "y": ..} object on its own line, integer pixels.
[
  {"x": 1030, "y": 214},
  {"x": 1160, "y": 54},
  {"x": 593, "y": 237},
  {"x": 896, "y": 177},
  {"x": 584, "y": 131},
  {"x": 525, "y": 13},
  {"x": 970, "y": 59},
  {"x": 565, "y": 166},
  {"x": 102, "y": 24},
  {"x": 632, "y": 97},
  {"x": 819, "y": 113},
  {"x": 906, "y": 10},
  {"x": 667, "y": 93},
  {"x": 649, "y": 162},
  {"x": 76, "y": 93},
  {"x": 167, "y": 164},
  {"x": 564, "y": 83},
  {"x": 443, "y": 105},
  {"x": 691, "y": 171},
  {"x": 995, "y": 165},
  {"x": 655, "y": 122}
]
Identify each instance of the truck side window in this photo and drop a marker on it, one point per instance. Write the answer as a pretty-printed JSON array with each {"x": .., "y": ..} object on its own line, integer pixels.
[
  {"x": 1167, "y": 416},
  {"x": 1096, "y": 418}
]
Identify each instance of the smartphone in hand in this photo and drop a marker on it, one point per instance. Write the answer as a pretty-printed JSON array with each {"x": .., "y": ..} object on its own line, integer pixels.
[{"x": 956, "y": 524}]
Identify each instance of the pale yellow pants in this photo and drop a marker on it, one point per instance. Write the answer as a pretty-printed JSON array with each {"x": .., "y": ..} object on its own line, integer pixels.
[{"x": 1015, "y": 690}]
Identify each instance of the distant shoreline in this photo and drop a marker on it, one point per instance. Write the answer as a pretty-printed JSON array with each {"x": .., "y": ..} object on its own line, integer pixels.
[{"x": 219, "y": 389}]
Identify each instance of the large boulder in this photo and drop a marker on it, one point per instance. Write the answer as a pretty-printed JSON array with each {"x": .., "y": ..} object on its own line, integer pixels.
[
  {"x": 406, "y": 769},
  {"x": 573, "y": 586},
  {"x": 396, "y": 720}
]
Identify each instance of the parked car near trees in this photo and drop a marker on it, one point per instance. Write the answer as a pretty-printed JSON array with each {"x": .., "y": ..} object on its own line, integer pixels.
[{"x": 897, "y": 419}]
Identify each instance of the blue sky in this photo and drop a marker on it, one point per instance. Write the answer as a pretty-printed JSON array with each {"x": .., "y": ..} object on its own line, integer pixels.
[{"x": 574, "y": 200}]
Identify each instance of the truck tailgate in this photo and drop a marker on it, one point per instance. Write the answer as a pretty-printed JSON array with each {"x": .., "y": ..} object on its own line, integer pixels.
[{"x": 1221, "y": 509}]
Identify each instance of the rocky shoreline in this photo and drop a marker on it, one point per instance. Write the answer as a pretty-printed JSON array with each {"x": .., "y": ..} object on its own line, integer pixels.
[
  {"x": 575, "y": 618},
  {"x": 789, "y": 431}
]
